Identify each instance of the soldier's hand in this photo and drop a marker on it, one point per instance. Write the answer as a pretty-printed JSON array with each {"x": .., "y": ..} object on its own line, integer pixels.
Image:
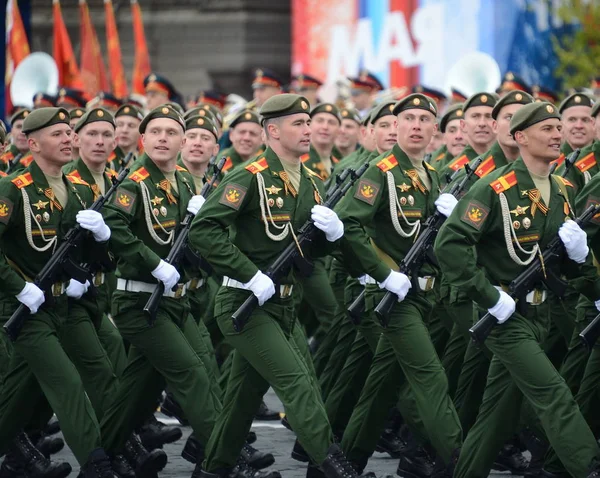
[
  {"x": 397, "y": 283},
  {"x": 261, "y": 286},
  {"x": 94, "y": 222},
  {"x": 575, "y": 240},
  {"x": 195, "y": 204},
  {"x": 504, "y": 308},
  {"x": 445, "y": 204},
  {"x": 31, "y": 296},
  {"x": 167, "y": 274},
  {"x": 76, "y": 289},
  {"x": 328, "y": 222},
  {"x": 597, "y": 304}
]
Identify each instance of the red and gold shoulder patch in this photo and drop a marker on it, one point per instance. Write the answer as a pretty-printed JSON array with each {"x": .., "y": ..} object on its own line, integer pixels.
[
  {"x": 233, "y": 195},
  {"x": 7, "y": 157},
  {"x": 387, "y": 163},
  {"x": 486, "y": 167},
  {"x": 559, "y": 160},
  {"x": 23, "y": 180},
  {"x": 503, "y": 183},
  {"x": 310, "y": 172},
  {"x": 429, "y": 166},
  {"x": 475, "y": 214},
  {"x": 139, "y": 175},
  {"x": 440, "y": 156},
  {"x": 3, "y": 174},
  {"x": 6, "y": 209},
  {"x": 180, "y": 168},
  {"x": 564, "y": 181},
  {"x": 111, "y": 173},
  {"x": 258, "y": 166},
  {"x": 112, "y": 157},
  {"x": 305, "y": 157},
  {"x": 228, "y": 165},
  {"x": 123, "y": 199},
  {"x": 76, "y": 179},
  {"x": 367, "y": 191},
  {"x": 587, "y": 162},
  {"x": 459, "y": 163},
  {"x": 26, "y": 160}
]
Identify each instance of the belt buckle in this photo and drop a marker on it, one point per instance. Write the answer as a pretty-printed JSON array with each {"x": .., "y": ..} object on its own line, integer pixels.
[
  {"x": 286, "y": 291},
  {"x": 538, "y": 296},
  {"x": 98, "y": 279},
  {"x": 179, "y": 291},
  {"x": 429, "y": 283},
  {"x": 194, "y": 284},
  {"x": 57, "y": 289}
]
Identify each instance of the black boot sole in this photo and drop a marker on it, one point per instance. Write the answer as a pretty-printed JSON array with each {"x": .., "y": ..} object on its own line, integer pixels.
[
  {"x": 152, "y": 441},
  {"x": 263, "y": 462},
  {"x": 188, "y": 456}
]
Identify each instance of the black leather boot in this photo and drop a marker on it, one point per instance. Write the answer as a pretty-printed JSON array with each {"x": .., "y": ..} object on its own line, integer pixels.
[
  {"x": 265, "y": 413},
  {"x": 155, "y": 434},
  {"x": 121, "y": 467},
  {"x": 511, "y": 459},
  {"x": 244, "y": 470},
  {"x": 97, "y": 466},
  {"x": 415, "y": 463},
  {"x": 12, "y": 465},
  {"x": 50, "y": 445},
  {"x": 143, "y": 461},
  {"x": 172, "y": 409},
  {"x": 193, "y": 451},
  {"x": 336, "y": 465},
  {"x": 36, "y": 465},
  {"x": 299, "y": 454},
  {"x": 256, "y": 458}
]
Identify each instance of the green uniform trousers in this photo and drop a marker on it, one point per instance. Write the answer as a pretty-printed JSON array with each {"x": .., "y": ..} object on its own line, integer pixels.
[
  {"x": 405, "y": 354},
  {"x": 40, "y": 365},
  {"x": 166, "y": 352},
  {"x": 520, "y": 368},
  {"x": 266, "y": 353},
  {"x": 111, "y": 340},
  {"x": 200, "y": 302}
]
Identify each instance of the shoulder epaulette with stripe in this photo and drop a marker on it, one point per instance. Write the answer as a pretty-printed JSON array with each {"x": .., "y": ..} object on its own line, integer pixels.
[
  {"x": 3, "y": 174},
  {"x": 139, "y": 175},
  {"x": 76, "y": 179},
  {"x": 504, "y": 183},
  {"x": 180, "y": 168},
  {"x": 258, "y": 166},
  {"x": 111, "y": 173},
  {"x": 305, "y": 157},
  {"x": 26, "y": 160},
  {"x": 387, "y": 163},
  {"x": 486, "y": 167},
  {"x": 112, "y": 157},
  {"x": 440, "y": 156},
  {"x": 559, "y": 160},
  {"x": 587, "y": 162},
  {"x": 6, "y": 157},
  {"x": 228, "y": 164},
  {"x": 310, "y": 172},
  {"x": 429, "y": 166},
  {"x": 23, "y": 180},
  {"x": 74, "y": 173},
  {"x": 458, "y": 162},
  {"x": 334, "y": 160},
  {"x": 565, "y": 181}
]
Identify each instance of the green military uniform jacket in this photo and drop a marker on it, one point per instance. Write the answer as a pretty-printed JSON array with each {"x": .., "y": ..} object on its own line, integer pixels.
[
  {"x": 115, "y": 161},
  {"x": 313, "y": 162},
  {"x": 584, "y": 168},
  {"x": 365, "y": 211},
  {"x": 10, "y": 154},
  {"x": 230, "y": 230},
  {"x": 144, "y": 215},
  {"x": 233, "y": 160},
  {"x": 468, "y": 154},
  {"x": 26, "y": 197},
  {"x": 493, "y": 160},
  {"x": 478, "y": 220}
]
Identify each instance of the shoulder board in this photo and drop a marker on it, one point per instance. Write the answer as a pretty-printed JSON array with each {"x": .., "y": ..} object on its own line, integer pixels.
[
  {"x": 26, "y": 160},
  {"x": 112, "y": 157},
  {"x": 440, "y": 156},
  {"x": 76, "y": 179},
  {"x": 111, "y": 173},
  {"x": 562, "y": 180},
  {"x": 503, "y": 183},
  {"x": 228, "y": 164},
  {"x": 334, "y": 160},
  {"x": 486, "y": 167},
  {"x": 258, "y": 166},
  {"x": 23, "y": 180},
  {"x": 429, "y": 166},
  {"x": 387, "y": 163},
  {"x": 310, "y": 172},
  {"x": 3, "y": 174},
  {"x": 305, "y": 157},
  {"x": 559, "y": 160},
  {"x": 587, "y": 162},
  {"x": 180, "y": 168},
  {"x": 8, "y": 156},
  {"x": 459, "y": 162},
  {"x": 139, "y": 175}
]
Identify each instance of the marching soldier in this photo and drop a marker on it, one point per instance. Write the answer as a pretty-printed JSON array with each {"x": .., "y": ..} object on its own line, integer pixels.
[
  {"x": 362, "y": 89},
  {"x": 70, "y": 98},
  {"x": 325, "y": 124},
  {"x": 127, "y": 119},
  {"x": 266, "y": 84},
  {"x": 477, "y": 255},
  {"x": 454, "y": 140},
  {"x": 19, "y": 144},
  {"x": 74, "y": 116},
  {"x": 307, "y": 86},
  {"x": 159, "y": 90},
  {"x": 245, "y": 134},
  {"x": 578, "y": 122},
  {"x": 347, "y": 138}
]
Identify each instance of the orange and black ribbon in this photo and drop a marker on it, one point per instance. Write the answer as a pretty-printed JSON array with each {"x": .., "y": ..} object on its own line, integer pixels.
[
  {"x": 49, "y": 193},
  {"x": 165, "y": 185},
  {"x": 416, "y": 180},
  {"x": 535, "y": 197}
]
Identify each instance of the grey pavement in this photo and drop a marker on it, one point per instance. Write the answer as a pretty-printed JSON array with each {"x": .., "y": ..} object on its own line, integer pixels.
[{"x": 272, "y": 437}]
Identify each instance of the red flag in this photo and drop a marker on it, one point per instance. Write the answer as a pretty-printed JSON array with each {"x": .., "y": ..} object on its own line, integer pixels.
[
  {"x": 115, "y": 65},
  {"x": 62, "y": 51},
  {"x": 93, "y": 72},
  {"x": 141, "y": 67},
  {"x": 17, "y": 45}
]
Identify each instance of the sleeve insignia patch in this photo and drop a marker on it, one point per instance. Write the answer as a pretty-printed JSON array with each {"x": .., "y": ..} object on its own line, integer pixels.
[
  {"x": 233, "y": 195},
  {"x": 6, "y": 209},
  {"x": 475, "y": 214},
  {"x": 124, "y": 199},
  {"x": 367, "y": 191}
]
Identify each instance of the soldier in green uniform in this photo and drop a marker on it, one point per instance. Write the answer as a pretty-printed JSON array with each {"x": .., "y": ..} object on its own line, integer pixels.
[
  {"x": 477, "y": 254},
  {"x": 19, "y": 145},
  {"x": 477, "y": 126},
  {"x": 382, "y": 214},
  {"x": 578, "y": 124},
  {"x": 367, "y": 145},
  {"x": 454, "y": 139},
  {"x": 245, "y": 134},
  {"x": 144, "y": 215},
  {"x": 38, "y": 207},
  {"x": 346, "y": 141},
  {"x": 127, "y": 119},
  {"x": 243, "y": 227}
]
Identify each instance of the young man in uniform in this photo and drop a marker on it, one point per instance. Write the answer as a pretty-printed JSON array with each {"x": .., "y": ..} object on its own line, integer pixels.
[
  {"x": 245, "y": 134},
  {"x": 476, "y": 252},
  {"x": 578, "y": 123},
  {"x": 348, "y": 136},
  {"x": 454, "y": 140},
  {"x": 127, "y": 119},
  {"x": 19, "y": 145}
]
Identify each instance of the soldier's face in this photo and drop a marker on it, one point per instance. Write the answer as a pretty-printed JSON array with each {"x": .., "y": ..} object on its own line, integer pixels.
[
  {"x": 95, "y": 141},
  {"x": 54, "y": 144},
  {"x": 19, "y": 139},
  {"x": 348, "y": 134},
  {"x": 246, "y": 138},
  {"x": 542, "y": 140},
  {"x": 578, "y": 126},
  {"x": 478, "y": 126},
  {"x": 324, "y": 127},
  {"x": 293, "y": 133},
  {"x": 415, "y": 129},
  {"x": 361, "y": 99},
  {"x": 436, "y": 141},
  {"x": 162, "y": 140},
  {"x": 127, "y": 131},
  {"x": 503, "y": 125},
  {"x": 200, "y": 145},
  {"x": 155, "y": 98},
  {"x": 454, "y": 138},
  {"x": 385, "y": 133},
  {"x": 367, "y": 138},
  {"x": 263, "y": 93}
]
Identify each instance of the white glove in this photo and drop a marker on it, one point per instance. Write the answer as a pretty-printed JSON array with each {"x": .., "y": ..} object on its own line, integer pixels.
[
  {"x": 195, "y": 204},
  {"x": 575, "y": 240},
  {"x": 94, "y": 222},
  {"x": 328, "y": 221},
  {"x": 167, "y": 274},
  {"x": 362, "y": 280},
  {"x": 261, "y": 286},
  {"x": 76, "y": 289},
  {"x": 446, "y": 203},
  {"x": 397, "y": 283},
  {"x": 504, "y": 308},
  {"x": 597, "y": 304},
  {"x": 31, "y": 296}
]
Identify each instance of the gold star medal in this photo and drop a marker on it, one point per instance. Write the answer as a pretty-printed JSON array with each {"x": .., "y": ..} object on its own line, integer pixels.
[
  {"x": 273, "y": 190},
  {"x": 403, "y": 187},
  {"x": 156, "y": 201},
  {"x": 41, "y": 204},
  {"x": 519, "y": 210}
]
